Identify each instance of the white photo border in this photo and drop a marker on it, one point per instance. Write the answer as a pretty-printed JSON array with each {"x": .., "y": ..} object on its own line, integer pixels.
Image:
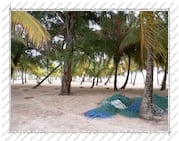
[{"x": 5, "y": 31}]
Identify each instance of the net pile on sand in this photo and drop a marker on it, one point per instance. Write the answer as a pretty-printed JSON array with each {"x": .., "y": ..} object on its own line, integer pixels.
[{"x": 119, "y": 104}]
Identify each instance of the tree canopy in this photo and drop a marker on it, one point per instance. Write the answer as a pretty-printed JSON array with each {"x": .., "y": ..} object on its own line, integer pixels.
[{"x": 88, "y": 43}]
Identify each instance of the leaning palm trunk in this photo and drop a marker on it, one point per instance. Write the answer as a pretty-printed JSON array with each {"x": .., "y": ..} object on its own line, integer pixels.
[
  {"x": 128, "y": 71},
  {"x": 147, "y": 35},
  {"x": 116, "y": 62},
  {"x": 83, "y": 80},
  {"x": 134, "y": 78},
  {"x": 108, "y": 79},
  {"x": 163, "y": 87},
  {"x": 39, "y": 83},
  {"x": 93, "y": 83}
]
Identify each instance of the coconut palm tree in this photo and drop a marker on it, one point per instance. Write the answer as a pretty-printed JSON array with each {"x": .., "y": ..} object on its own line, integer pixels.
[
  {"x": 146, "y": 106},
  {"x": 37, "y": 34},
  {"x": 18, "y": 45},
  {"x": 31, "y": 29},
  {"x": 150, "y": 27},
  {"x": 153, "y": 40}
]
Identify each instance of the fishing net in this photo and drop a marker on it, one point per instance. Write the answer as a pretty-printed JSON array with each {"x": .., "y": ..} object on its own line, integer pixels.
[{"x": 119, "y": 104}]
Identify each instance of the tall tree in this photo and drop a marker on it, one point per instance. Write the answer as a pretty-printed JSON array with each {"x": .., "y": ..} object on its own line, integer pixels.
[
  {"x": 69, "y": 21},
  {"x": 150, "y": 26},
  {"x": 147, "y": 34}
]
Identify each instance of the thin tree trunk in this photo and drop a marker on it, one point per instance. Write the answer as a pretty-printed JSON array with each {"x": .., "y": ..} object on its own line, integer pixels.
[
  {"x": 157, "y": 76},
  {"x": 115, "y": 74},
  {"x": 164, "y": 80},
  {"x": 97, "y": 81},
  {"x": 135, "y": 78},
  {"x": 16, "y": 60},
  {"x": 22, "y": 76},
  {"x": 108, "y": 79},
  {"x": 25, "y": 75},
  {"x": 83, "y": 80},
  {"x": 128, "y": 71},
  {"x": 93, "y": 82},
  {"x": 47, "y": 66},
  {"x": 39, "y": 83},
  {"x": 131, "y": 77}
]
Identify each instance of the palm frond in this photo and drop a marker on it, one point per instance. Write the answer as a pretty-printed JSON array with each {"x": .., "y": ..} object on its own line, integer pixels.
[
  {"x": 131, "y": 38},
  {"x": 36, "y": 32}
]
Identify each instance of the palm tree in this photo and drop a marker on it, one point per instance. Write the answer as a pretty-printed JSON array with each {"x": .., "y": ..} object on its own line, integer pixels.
[
  {"x": 18, "y": 45},
  {"x": 146, "y": 106},
  {"x": 37, "y": 34},
  {"x": 153, "y": 43},
  {"x": 163, "y": 54},
  {"x": 150, "y": 27}
]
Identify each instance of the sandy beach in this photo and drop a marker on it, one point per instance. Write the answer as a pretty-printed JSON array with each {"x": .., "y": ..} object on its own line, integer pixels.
[{"x": 43, "y": 110}]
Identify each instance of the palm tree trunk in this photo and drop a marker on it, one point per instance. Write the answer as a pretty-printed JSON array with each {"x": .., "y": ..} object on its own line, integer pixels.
[
  {"x": 146, "y": 110},
  {"x": 157, "y": 75},
  {"x": 83, "y": 80},
  {"x": 116, "y": 62},
  {"x": 131, "y": 77},
  {"x": 22, "y": 76},
  {"x": 39, "y": 83},
  {"x": 128, "y": 71},
  {"x": 164, "y": 80},
  {"x": 25, "y": 75},
  {"x": 97, "y": 81},
  {"x": 93, "y": 82},
  {"x": 146, "y": 105},
  {"x": 108, "y": 79},
  {"x": 135, "y": 78}
]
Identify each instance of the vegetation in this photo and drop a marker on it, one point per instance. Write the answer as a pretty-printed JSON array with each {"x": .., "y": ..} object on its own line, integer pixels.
[{"x": 93, "y": 44}]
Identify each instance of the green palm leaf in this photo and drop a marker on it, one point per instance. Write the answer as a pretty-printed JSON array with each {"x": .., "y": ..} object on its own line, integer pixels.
[
  {"x": 36, "y": 32},
  {"x": 131, "y": 38}
]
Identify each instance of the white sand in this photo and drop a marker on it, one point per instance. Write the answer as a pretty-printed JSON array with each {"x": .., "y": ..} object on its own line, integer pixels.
[{"x": 43, "y": 110}]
